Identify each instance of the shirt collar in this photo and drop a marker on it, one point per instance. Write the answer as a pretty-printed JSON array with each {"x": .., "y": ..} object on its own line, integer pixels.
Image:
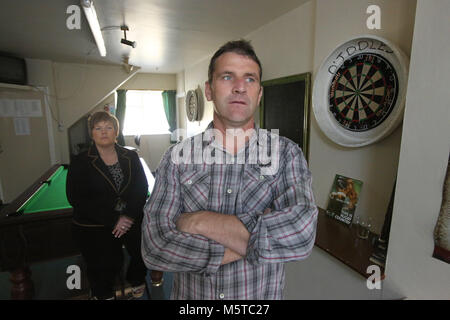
[{"x": 252, "y": 142}]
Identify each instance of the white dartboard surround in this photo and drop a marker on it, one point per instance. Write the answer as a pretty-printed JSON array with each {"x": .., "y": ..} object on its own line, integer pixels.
[{"x": 359, "y": 91}]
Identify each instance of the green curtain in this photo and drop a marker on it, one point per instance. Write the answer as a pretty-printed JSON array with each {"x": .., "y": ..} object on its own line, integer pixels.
[
  {"x": 170, "y": 108},
  {"x": 120, "y": 113}
]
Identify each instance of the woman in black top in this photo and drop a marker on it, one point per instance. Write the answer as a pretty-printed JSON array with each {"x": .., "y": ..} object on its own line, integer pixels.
[{"x": 107, "y": 188}]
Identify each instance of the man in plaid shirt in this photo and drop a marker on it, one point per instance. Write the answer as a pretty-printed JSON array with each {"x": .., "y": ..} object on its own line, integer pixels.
[{"x": 222, "y": 215}]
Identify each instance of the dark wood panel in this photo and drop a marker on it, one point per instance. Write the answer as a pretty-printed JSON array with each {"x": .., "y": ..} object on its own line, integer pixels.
[{"x": 342, "y": 242}]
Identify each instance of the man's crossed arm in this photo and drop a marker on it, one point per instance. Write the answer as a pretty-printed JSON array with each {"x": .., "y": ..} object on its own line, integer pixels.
[{"x": 225, "y": 229}]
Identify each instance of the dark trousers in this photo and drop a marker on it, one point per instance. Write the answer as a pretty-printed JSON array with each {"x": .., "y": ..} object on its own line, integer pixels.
[{"x": 103, "y": 255}]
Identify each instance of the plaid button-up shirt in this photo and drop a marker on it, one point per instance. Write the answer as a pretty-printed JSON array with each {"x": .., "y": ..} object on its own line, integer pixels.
[{"x": 286, "y": 233}]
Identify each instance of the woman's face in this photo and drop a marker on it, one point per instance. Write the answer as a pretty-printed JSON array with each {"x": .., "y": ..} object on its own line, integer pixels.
[{"x": 104, "y": 134}]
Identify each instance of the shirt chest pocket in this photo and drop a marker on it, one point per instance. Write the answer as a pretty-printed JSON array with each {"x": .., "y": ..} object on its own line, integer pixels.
[
  {"x": 256, "y": 190},
  {"x": 195, "y": 186}
]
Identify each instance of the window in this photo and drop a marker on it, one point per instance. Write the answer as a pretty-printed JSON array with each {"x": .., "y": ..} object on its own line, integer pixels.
[{"x": 145, "y": 113}]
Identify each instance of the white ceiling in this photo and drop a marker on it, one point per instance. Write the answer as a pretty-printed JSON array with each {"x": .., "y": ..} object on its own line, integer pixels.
[{"x": 170, "y": 34}]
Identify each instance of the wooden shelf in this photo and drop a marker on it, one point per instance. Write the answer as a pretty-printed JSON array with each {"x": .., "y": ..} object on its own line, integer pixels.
[{"x": 341, "y": 242}]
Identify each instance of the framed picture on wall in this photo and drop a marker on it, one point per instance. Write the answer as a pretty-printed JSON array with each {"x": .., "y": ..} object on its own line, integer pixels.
[
  {"x": 285, "y": 106},
  {"x": 442, "y": 228},
  {"x": 343, "y": 198}
]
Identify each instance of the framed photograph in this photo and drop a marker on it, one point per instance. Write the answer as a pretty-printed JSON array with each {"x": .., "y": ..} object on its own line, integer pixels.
[
  {"x": 442, "y": 228},
  {"x": 343, "y": 198},
  {"x": 285, "y": 106}
]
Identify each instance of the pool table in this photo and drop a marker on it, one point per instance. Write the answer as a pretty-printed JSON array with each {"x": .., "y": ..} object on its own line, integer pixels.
[{"x": 36, "y": 227}]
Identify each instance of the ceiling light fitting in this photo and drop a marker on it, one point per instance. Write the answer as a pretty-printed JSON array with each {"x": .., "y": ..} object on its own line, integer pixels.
[
  {"x": 91, "y": 16},
  {"x": 125, "y": 41}
]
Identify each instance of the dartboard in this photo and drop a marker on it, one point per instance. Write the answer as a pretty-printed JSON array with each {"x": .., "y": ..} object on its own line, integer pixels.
[
  {"x": 359, "y": 91},
  {"x": 192, "y": 105},
  {"x": 363, "y": 92}
]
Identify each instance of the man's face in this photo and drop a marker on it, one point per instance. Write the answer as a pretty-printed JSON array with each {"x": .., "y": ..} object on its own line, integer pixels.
[{"x": 235, "y": 90}]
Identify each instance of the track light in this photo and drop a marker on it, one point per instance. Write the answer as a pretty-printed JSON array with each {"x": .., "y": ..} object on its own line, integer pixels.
[
  {"x": 91, "y": 16},
  {"x": 125, "y": 41},
  {"x": 129, "y": 43}
]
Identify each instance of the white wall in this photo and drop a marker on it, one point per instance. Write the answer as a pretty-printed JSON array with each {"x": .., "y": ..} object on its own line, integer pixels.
[
  {"x": 423, "y": 160},
  {"x": 285, "y": 45},
  {"x": 17, "y": 173},
  {"x": 194, "y": 79},
  {"x": 152, "y": 148},
  {"x": 151, "y": 81},
  {"x": 40, "y": 73},
  {"x": 181, "y": 98}
]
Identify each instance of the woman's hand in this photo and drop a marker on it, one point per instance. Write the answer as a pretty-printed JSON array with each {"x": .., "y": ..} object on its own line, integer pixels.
[{"x": 123, "y": 225}]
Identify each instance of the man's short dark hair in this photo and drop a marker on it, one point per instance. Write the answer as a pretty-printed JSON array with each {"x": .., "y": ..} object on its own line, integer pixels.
[{"x": 242, "y": 47}]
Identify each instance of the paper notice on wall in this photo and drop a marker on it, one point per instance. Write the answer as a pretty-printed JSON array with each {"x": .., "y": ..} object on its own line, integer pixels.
[
  {"x": 7, "y": 108},
  {"x": 20, "y": 108},
  {"x": 22, "y": 126}
]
